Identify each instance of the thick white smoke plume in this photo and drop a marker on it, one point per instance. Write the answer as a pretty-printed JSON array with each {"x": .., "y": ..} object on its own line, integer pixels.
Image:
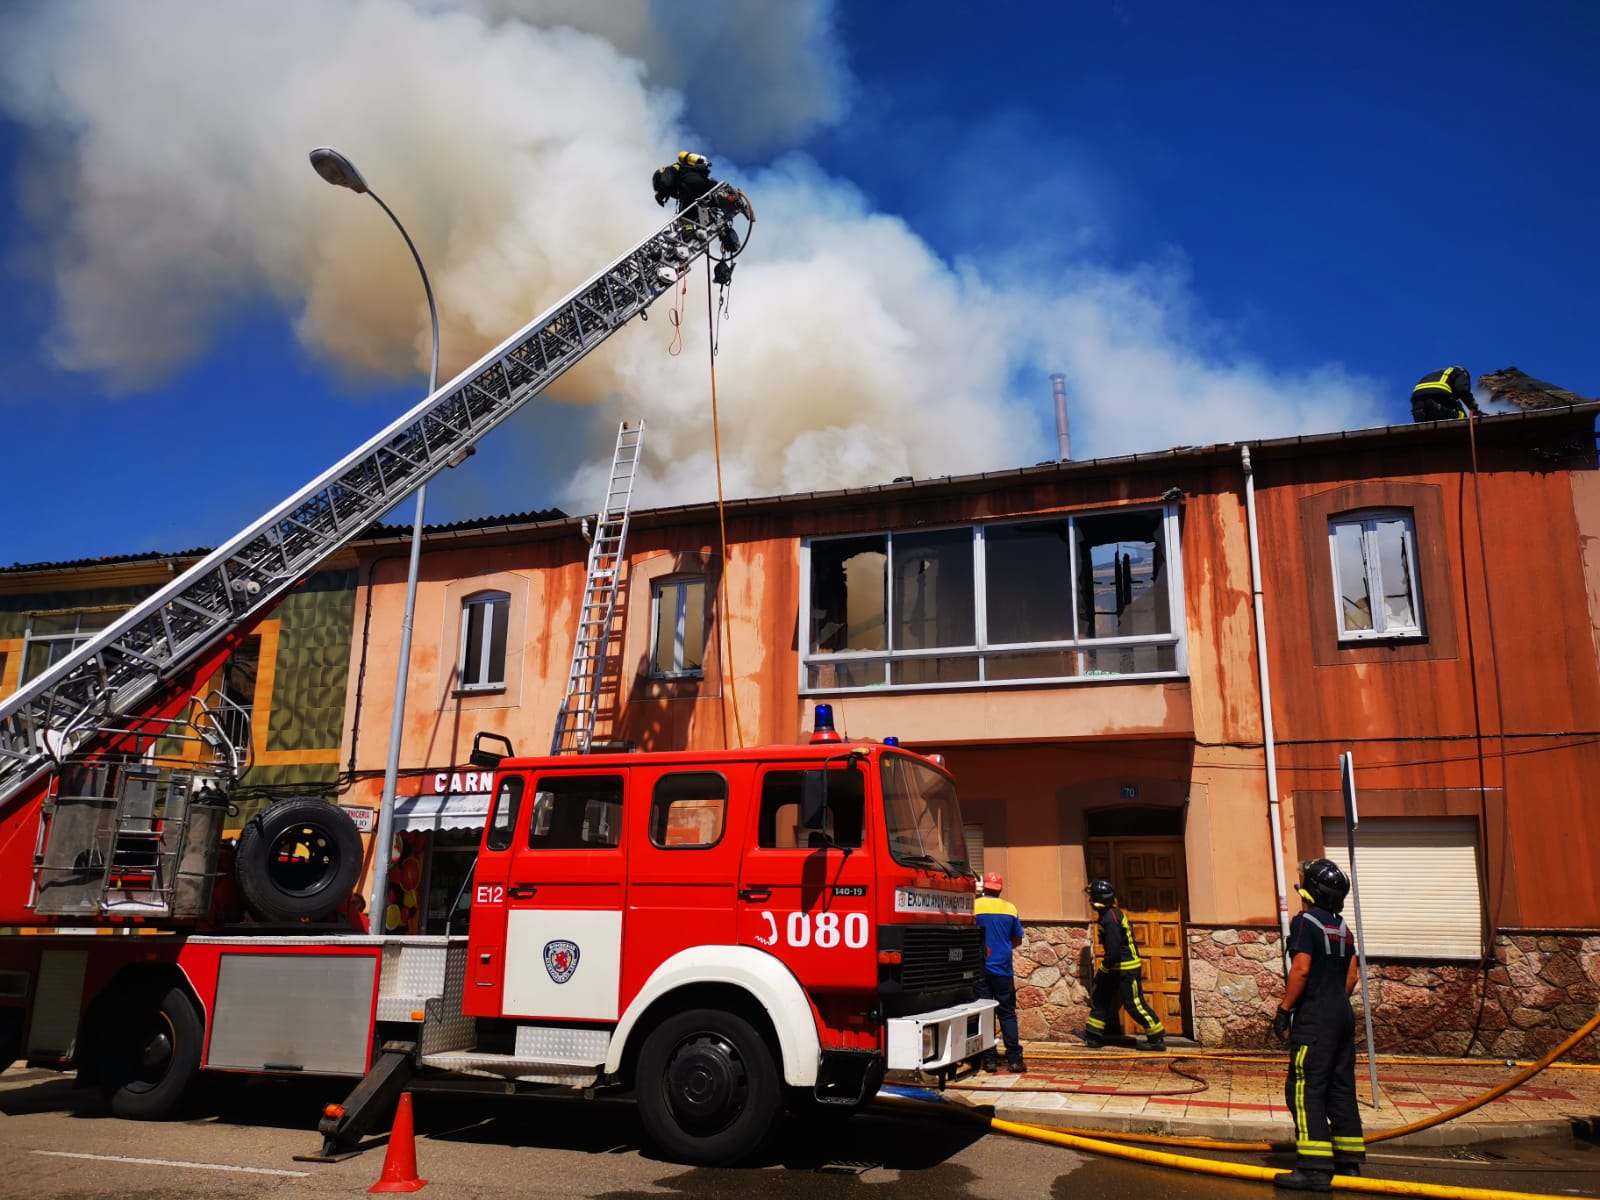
[{"x": 166, "y": 164}]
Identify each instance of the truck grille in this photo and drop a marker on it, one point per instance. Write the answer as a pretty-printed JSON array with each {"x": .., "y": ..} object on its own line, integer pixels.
[{"x": 933, "y": 957}]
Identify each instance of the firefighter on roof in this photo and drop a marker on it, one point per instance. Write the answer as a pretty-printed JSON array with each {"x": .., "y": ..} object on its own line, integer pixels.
[
  {"x": 686, "y": 179},
  {"x": 1316, "y": 1018},
  {"x": 1443, "y": 396},
  {"x": 1116, "y": 983}
]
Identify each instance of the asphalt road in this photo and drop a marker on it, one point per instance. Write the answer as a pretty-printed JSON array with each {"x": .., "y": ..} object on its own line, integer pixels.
[{"x": 56, "y": 1144}]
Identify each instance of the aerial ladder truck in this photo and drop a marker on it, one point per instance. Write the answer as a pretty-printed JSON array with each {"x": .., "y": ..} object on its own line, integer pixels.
[{"x": 730, "y": 934}]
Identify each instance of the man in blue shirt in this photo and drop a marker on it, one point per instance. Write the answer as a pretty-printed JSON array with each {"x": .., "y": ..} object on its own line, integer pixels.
[{"x": 1002, "y": 934}]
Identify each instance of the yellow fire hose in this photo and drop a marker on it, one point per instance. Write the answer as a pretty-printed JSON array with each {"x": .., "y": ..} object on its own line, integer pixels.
[
  {"x": 1112, "y": 1143},
  {"x": 1206, "y": 1166},
  {"x": 1383, "y": 1135}
]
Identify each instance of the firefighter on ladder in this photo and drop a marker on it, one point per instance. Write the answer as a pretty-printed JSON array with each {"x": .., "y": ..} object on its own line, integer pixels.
[
  {"x": 1316, "y": 1018},
  {"x": 686, "y": 179},
  {"x": 1116, "y": 983}
]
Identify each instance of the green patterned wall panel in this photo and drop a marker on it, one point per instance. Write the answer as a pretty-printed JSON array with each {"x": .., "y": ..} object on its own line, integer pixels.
[{"x": 313, "y": 663}]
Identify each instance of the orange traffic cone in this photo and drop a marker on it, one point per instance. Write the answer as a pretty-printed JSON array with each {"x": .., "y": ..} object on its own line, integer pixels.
[{"x": 400, "y": 1161}]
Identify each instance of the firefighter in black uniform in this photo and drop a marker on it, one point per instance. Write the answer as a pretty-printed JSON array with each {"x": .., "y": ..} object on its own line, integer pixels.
[
  {"x": 1443, "y": 396},
  {"x": 1316, "y": 1018},
  {"x": 1116, "y": 983},
  {"x": 686, "y": 179}
]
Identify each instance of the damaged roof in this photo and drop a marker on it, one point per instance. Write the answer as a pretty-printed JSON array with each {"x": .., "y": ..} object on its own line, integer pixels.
[{"x": 1523, "y": 390}]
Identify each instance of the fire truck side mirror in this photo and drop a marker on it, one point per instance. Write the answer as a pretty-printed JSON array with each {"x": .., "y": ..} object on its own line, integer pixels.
[
  {"x": 489, "y": 758},
  {"x": 814, "y": 799}
]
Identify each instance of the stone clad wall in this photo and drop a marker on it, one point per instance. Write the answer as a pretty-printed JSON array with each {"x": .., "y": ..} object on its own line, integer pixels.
[
  {"x": 1052, "y": 986},
  {"x": 1540, "y": 989},
  {"x": 1235, "y": 980}
]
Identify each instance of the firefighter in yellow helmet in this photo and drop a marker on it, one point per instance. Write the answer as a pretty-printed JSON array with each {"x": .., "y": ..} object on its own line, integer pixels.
[
  {"x": 686, "y": 179},
  {"x": 1443, "y": 396}
]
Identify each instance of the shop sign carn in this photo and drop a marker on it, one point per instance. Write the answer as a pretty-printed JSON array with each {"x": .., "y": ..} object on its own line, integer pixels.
[{"x": 458, "y": 783}]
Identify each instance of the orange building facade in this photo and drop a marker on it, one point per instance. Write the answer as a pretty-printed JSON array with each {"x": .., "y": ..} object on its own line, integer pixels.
[{"x": 1080, "y": 642}]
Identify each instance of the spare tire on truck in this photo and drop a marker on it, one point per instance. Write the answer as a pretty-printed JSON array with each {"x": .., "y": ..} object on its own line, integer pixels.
[{"x": 298, "y": 861}]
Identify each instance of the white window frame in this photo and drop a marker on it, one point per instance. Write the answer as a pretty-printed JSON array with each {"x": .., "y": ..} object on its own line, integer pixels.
[
  {"x": 1177, "y": 638},
  {"x": 1382, "y": 627},
  {"x": 61, "y": 643},
  {"x": 497, "y": 607},
  {"x": 678, "y": 587}
]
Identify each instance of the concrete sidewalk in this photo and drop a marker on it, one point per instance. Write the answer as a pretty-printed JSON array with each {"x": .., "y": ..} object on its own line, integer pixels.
[{"x": 1189, "y": 1092}]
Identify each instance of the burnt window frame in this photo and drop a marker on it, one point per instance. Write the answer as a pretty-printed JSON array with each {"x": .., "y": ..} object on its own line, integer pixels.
[{"x": 1077, "y": 659}]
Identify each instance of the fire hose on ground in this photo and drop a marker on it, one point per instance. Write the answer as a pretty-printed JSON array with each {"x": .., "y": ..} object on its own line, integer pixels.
[{"x": 1113, "y": 1144}]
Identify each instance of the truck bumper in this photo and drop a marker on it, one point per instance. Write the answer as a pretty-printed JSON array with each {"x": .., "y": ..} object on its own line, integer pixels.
[{"x": 932, "y": 1040}]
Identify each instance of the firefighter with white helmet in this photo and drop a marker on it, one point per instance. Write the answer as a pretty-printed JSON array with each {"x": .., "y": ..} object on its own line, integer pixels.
[
  {"x": 1002, "y": 934},
  {"x": 1315, "y": 1016}
]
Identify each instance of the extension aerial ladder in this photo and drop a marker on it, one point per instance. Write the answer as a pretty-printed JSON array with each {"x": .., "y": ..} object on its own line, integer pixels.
[
  {"x": 159, "y": 644},
  {"x": 575, "y": 719}
]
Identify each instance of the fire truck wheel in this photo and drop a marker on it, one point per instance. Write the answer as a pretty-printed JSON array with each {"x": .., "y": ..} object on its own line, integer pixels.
[
  {"x": 298, "y": 861},
  {"x": 708, "y": 1087},
  {"x": 150, "y": 1054}
]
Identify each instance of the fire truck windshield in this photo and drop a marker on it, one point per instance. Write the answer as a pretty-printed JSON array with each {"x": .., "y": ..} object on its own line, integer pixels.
[{"x": 923, "y": 816}]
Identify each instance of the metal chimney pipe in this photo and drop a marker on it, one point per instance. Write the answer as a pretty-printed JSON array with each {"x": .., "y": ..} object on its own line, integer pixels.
[{"x": 1058, "y": 384}]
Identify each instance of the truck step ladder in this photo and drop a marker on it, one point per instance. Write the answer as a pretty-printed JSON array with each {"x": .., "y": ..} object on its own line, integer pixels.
[
  {"x": 70, "y": 706},
  {"x": 575, "y": 719}
]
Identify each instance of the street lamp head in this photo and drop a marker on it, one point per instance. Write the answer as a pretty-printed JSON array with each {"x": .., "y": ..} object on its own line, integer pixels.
[{"x": 337, "y": 169}]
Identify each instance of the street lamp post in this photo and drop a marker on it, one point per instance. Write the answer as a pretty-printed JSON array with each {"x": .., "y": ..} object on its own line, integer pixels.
[{"x": 341, "y": 172}]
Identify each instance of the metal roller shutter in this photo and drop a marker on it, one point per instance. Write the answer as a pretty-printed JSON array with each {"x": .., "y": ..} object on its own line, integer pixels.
[
  {"x": 974, "y": 837},
  {"x": 1419, "y": 885}
]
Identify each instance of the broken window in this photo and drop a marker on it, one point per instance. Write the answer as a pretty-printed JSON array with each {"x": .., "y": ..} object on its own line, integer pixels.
[
  {"x": 1375, "y": 575},
  {"x": 1061, "y": 597}
]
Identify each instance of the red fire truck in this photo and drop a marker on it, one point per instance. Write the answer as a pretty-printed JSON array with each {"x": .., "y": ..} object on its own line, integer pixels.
[{"x": 729, "y": 934}]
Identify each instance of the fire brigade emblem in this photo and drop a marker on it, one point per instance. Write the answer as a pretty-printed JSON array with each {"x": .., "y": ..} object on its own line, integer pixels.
[{"x": 561, "y": 960}]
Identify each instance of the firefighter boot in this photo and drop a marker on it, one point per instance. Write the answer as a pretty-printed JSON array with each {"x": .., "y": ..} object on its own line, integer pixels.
[
  {"x": 1092, "y": 1039},
  {"x": 1155, "y": 1041},
  {"x": 1015, "y": 1065},
  {"x": 1305, "y": 1179},
  {"x": 1347, "y": 1168},
  {"x": 990, "y": 1063}
]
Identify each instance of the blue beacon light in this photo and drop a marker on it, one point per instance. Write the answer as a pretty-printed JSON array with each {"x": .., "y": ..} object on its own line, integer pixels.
[
  {"x": 822, "y": 729},
  {"x": 891, "y": 741}
]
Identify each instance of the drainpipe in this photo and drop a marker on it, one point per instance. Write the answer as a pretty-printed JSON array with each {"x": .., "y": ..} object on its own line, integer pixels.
[{"x": 1274, "y": 812}]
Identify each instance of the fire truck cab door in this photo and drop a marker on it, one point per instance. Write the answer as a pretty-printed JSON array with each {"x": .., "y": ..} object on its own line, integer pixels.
[
  {"x": 564, "y": 898},
  {"x": 806, "y": 895}
]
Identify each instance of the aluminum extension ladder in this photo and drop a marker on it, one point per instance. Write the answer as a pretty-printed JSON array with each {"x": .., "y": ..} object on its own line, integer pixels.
[
  {"x": 575, "y": 719},
  {"x": 117, "y": 672}
]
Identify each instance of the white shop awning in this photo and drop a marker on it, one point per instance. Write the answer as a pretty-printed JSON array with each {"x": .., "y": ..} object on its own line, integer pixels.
[{"x": 416, "y": 813}]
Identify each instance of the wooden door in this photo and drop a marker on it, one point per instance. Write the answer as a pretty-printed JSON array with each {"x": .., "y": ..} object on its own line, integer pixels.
[{"x": 1148, "y": 873}]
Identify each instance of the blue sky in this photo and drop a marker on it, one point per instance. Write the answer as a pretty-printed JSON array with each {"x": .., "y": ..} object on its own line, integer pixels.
[{"x": 1220, "y": 222}]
